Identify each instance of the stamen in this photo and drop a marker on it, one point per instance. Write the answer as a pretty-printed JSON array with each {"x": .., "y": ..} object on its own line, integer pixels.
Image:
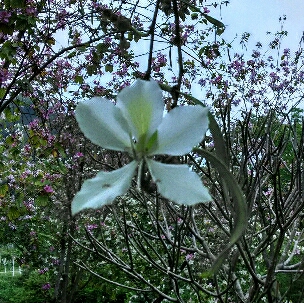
[{"x": 133, "y": 142}]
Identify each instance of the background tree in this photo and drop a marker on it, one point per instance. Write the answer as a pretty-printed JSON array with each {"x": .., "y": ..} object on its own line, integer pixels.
[{"x": 158, "y": 251}]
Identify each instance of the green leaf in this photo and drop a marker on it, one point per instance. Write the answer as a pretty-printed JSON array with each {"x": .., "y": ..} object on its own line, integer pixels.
[
  {"x": 96, "y": 58},
  {"x": 15, "y": 151},
  {"x": 22, "y": 22},
  {"x": 61, "y": 168},
  {"x": 137, "y": 36},
  {"x": 219, "y": 142},
  {"x": 11, "y": 115},
  {"x": 194, "y": 16},
  {"x": 220, "y": 30},
  {"x": 214, "y": 21},
  {"x": 13, "y": 213},
  {"x": 102, "y": 48},
  {"x": 109, "y": 68},
  {"x": 60, "y": 149},
  {"x": 72, "y": 54},
  {"x": 91, "y": 69},
  {"x": 37, "y": 141},
  {"x": 9, "y": 140},
  {"x": 240, "y": 205},
  {"x": 3, "y": 190},
  {"x": 2, "y": 92},
  {"x": 42, "y": 200},
  {"x": 130, "y": 36},
  {"x": 78, "y": 79},
  {"x": 37, "y": 181},
  {"x": 7, "y": 3},
  {"x": 18, "y": 3},
  {"x": 7, "y": 28},
  {"x": 8, "y": 51}
]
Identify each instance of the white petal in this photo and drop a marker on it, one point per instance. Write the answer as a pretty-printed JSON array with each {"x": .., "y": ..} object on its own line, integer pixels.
[
  {"x": 178, "y": 183},
  {"x": 104, "y": 188},
  {"x": 181, "y": 129},
  {"x": 142, "y": 105},
  {"x": 102, "y": 122}
]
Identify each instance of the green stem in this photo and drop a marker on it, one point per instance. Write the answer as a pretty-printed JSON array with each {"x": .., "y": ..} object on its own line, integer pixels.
[{"x": 139, "y": 174}]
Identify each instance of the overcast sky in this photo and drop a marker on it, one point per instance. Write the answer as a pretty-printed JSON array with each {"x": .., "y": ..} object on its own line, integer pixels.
[{"x": 259, "y": 16}]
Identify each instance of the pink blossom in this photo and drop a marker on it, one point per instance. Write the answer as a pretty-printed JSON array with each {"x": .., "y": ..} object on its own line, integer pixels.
[
  {"x": 48, "y": 189},
  {"x": 55, "y": 261},
  {"x": 46, "y": 286},
  {"x": 91, "y": 226},
  {"x": 216, "y": 80},
  {"x": 286, "y": 51},
  {"x": 4, "y": 75},
  {"x": 78, "y": 155},
  {"x": 4, "y": 16},
  {"x": 189, "y": 257},
  {"x": 43, "y": 271},
  {"x": 179, "y": 220},
  {"x": 33, "y": 124}
]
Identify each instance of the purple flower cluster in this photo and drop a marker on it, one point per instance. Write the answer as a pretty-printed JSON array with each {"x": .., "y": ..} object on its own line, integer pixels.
[
  {"x": 43, "y": 271},
  {"x": 159, "y": 62},
  {"x": 4, "y": 75},
  {"x": 4, "y": 16},
  {"x": 46, "y": 286},
  {"x": 48, "y": 189}
]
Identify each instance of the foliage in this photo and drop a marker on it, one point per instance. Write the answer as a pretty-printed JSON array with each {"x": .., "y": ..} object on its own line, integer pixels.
[{"x": 22, "y": 289}]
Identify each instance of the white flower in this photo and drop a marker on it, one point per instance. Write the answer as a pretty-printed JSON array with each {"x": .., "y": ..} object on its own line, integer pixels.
[{"x": 136, "y": 125}]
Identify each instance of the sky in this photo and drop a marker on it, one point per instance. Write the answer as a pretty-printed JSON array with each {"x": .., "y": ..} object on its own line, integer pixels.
[{"x": 259, "y": 16}]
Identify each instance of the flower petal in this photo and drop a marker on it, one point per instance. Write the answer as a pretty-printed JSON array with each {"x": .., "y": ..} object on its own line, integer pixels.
[
  {"x": 104, "y": 188},
  {"x": 181, "y": 129},
  {"x": 142, "y": 106},
  {"x": 178, "y": 183},
  {"x": 102, "y": 122}
]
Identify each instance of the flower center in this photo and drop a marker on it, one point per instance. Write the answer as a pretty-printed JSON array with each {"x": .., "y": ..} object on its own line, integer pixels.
[{"x": 139, "y": 149}]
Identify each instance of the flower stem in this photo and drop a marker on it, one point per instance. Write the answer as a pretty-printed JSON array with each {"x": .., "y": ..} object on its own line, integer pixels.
[{"x": 139, "y": 174}]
